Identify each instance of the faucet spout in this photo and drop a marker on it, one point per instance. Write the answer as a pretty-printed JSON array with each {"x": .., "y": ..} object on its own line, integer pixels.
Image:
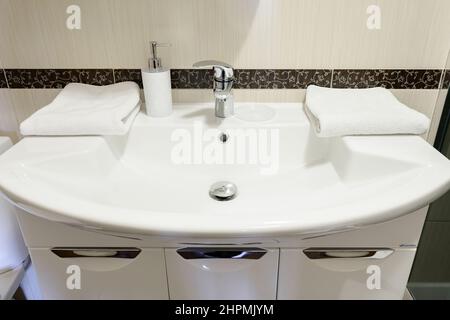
[
  {"x": 223, "y": 83},
  {"x": 224, "y": 107}
]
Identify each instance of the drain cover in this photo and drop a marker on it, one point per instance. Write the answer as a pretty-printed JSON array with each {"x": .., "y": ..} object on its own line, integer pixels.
[{"x": 223, "y": 191}]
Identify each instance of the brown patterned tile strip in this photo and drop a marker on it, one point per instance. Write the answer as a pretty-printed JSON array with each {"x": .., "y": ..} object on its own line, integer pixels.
[
  {"x": 446, "y": 82},
  {"x": 388, "y": 78},
  {"x": 281, "y": 78},
  {"x": 253, "y": 78},
  {"x": 245, "y": 78},
  {"x": 191, "y": 79},
  {"x": 121, "y": 75},
  {"x": 181, "y": 78},
  {"x": 3, "y": 82},
  {"x": 56, "y": 78}
]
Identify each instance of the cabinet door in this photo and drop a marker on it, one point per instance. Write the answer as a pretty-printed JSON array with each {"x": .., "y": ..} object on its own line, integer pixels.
[
  {"x": 100, "y": 273},
  {"x": 222, "y": 273},
  {"x": 343, "y": 273}
]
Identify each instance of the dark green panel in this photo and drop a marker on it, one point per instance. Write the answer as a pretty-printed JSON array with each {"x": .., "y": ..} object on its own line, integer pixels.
[
  {"x": 432, "y": 263},
  {"x": 440, "y": 209}
]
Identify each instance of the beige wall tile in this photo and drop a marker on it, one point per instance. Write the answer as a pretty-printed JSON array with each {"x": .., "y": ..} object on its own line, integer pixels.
[
  {"x": 413, "y": 34},
  {"x": 18, "y": 104},
  {"x": 245, "y": 33},
  {"x": 8, "y": 123},
  {"x": 421, "y": 100},
  {"x": 241, "y": 95},
  {"x": 34, "y": 35},
  {"x": 27, "y": 101}
]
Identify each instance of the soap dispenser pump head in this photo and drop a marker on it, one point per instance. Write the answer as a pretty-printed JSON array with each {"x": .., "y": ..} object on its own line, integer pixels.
[{"x": 155, "y": 61}]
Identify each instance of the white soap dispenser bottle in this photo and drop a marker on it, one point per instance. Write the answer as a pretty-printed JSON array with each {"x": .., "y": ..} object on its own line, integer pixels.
[{"x": 157, "y": 85}]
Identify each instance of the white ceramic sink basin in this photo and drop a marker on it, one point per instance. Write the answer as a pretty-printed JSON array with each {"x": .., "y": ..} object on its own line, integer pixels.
[{"x": 136, "y": 184}]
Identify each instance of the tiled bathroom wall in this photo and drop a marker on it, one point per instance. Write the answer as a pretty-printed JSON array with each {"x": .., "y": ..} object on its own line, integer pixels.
[
  {"x": 430, "y": 276},
  {"x": 277, "y": 46}
]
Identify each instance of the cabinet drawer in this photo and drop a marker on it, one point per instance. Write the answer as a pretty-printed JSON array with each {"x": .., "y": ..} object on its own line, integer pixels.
[
  {"x": 222, "y": 273},
  {"x": 113, "y": 273},
  {"x": 343, "y": 273}
]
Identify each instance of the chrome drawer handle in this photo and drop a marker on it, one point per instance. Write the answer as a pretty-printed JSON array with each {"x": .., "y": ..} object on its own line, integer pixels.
[
  {"x": 123, "y": 253},
  {"x": 347, "y": 253},
  {"x": 221, "y": 253}
]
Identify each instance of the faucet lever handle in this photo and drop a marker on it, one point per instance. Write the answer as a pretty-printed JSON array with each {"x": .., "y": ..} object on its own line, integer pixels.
[{"x": 222, "y": 70}]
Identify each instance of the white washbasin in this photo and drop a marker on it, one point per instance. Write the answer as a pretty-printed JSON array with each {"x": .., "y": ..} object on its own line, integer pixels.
[{"x": 132, "y": 184}]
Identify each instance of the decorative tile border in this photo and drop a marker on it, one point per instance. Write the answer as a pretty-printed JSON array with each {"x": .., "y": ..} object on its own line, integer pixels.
[
  {"x": 56, "y": 78},
  {"x": 181, "y": 78},
  {"x": 121, "y": 75},
  {"x": 391, "y": 79},
  {"x": 191, "y": 79},
  {"x": 281, "y": 78},
  {"x": 446, "y": 81},
  {"x": 3, "y": 83},
  {"x": 245, "y": 78}
]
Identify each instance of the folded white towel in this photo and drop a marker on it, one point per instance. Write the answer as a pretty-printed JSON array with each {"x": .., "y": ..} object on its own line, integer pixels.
[
  {"x": 340, "y": 112},
  {"x": 82, "y": 109}
]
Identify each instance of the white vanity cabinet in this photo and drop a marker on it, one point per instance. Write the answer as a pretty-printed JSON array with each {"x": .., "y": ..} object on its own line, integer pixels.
[
  {"x": 222, "y": 273},
  {"x": 344, "y": 273},
  {"x": 125, "y": 273},
  {"x": 333, "y": 266}
]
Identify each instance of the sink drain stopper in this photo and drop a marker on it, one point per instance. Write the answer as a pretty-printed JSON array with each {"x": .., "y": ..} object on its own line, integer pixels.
[{"x": 223, "y": 191}]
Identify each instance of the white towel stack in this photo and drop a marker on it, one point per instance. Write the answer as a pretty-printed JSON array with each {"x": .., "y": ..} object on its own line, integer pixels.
[
  {"x": 82, "y": 109},
  {"x": 374, "y": 111}
]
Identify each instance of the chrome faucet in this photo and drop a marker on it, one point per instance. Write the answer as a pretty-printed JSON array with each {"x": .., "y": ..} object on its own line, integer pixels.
[{"x": 223, "y": 83}]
